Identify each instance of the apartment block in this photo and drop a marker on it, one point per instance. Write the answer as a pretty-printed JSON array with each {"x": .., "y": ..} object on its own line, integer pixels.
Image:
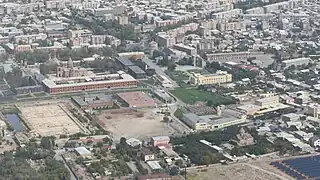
[
  {"x": 166, "y": 41},
  {"x": 225, "y": 57}
]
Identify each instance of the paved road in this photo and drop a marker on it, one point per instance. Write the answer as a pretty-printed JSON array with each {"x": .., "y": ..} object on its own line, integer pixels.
[
  {"x": 60, "y": 96},
  {"x": 59, "y": 158},
  {"x": 158, "y": 70}
]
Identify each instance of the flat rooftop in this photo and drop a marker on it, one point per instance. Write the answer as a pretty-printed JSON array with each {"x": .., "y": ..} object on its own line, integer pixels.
[
  {"x": 137, "y": 99},
  {"x": 69, "y": 82},
  {"x": 136, "y": 69},
  {"x": 91, "y": 99}
]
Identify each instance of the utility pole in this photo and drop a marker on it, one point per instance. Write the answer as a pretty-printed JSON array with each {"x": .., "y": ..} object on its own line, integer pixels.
[{"x": 185, "y": 172}]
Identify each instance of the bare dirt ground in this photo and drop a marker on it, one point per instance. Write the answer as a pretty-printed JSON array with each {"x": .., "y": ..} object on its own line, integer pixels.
[
  {"x": 48, "y": 119},
  {"x": 238, "y": 171},
  {"x": 129, "y": 123}
]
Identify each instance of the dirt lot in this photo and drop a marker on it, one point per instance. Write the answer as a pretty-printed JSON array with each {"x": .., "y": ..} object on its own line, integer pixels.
[
  {"x": 230, "y": 172},
  {"x": 48, "y": 119},
  {"x": 141, "y": 124}
]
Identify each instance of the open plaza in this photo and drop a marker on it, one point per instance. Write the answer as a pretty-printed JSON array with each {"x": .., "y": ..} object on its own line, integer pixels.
[{"x": 48, "y": 119}]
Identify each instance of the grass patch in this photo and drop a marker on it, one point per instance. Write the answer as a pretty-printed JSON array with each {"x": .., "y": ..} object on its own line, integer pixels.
[
  {"x": 178, "y": 75},
  {"x": 178, "y": 113},
  {"x": 40, "y": 94},
  {"x": 193, "y": 95},
  {"x": 201, "y": 71}
]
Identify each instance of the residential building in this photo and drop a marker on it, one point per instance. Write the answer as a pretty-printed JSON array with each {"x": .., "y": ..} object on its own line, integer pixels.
[
  {"x": 100, "y": 12},
  {"x": 166, "y": 40},
  {"x": 225, "y": 57},
  {"x": 147, "y": 155},
  {"x": 55, "y": 4},
  {"x": 123, "y": 20},
  {"x": 187, "y": 49},
  {"x": 225, "y": 15},
  {"x": 23, "y": 48},
  {"x": 98, "y": 39},
  {"x": 295, "y": 62},
  {"x": 113, "y": 41},
  {"x": 29, "y": 39},
  {"x": 163, "y": 23},
  {"x": 314, "y": 110},
  {"x": 206, "y": 79},
  {"x": 315, "y": 141},
  {"x": 291, "y": 117}
]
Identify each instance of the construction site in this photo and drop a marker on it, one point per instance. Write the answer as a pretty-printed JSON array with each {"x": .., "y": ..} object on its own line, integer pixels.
[
  {"x": 48, "y": 119},
  {"x": 136, "y": 123}
]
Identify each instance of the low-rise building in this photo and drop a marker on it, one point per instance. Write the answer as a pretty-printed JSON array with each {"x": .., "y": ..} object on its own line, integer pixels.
[
  {"x": 226, "y": 57},
  {"x": 165, "y": 41},
  {"x": 155, "y": 176},
  {"x": 160, "y": 140},
  {"x": 315, "y": 141},
  {"x": 83, "y": 152},
  {"x": 207, "y": 79},
  {"x": 187, "y": 49},
  {"x": 295, "y": 62},
  {"x": 147, "y": 155},
  {"x": 267, "y": 102},
  {"x": 94, "y": 101},
  {"x": 211, "y": 122},
  {"x": 136, "y": 72},
  {"x": 291, "y": 117},
  {"x": 314, "y": 110}
]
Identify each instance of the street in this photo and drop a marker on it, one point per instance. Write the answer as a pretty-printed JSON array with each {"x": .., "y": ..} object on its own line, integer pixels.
[
  {"x": 58, "y": 157},
  {"x": 158, "y": 70}
]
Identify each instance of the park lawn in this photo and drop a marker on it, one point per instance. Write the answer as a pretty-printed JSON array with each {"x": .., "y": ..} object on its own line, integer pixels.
[{"x": 192, "y": 95}]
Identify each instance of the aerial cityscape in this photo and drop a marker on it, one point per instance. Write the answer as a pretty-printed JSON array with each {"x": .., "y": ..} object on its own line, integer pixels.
[{"x": 159, "y": 90}]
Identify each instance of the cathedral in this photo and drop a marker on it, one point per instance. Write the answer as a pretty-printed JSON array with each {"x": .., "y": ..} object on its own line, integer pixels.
[{"x": 70, "y": 71}]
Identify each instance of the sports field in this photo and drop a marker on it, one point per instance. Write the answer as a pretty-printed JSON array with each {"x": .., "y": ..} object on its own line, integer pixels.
[{"x": 192, "y": 95}]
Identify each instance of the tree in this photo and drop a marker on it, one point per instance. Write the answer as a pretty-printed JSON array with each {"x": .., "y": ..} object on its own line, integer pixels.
[
  {"x": 48, "y": 142},
  {"x": 174, "y": 171},
  {"x": 100, "y": 144},
  {"x": 179, "y": 163},
  {"x": 108, "y": 141},
  {"x": 209, "y": 103},
  {"x": 171, "y": 67},
  {"x": 166, "y": 119},
  {"x": 123, "y": 140}
]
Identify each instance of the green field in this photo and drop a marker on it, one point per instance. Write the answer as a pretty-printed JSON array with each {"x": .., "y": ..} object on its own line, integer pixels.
[{"x": 190, "y": 96}]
